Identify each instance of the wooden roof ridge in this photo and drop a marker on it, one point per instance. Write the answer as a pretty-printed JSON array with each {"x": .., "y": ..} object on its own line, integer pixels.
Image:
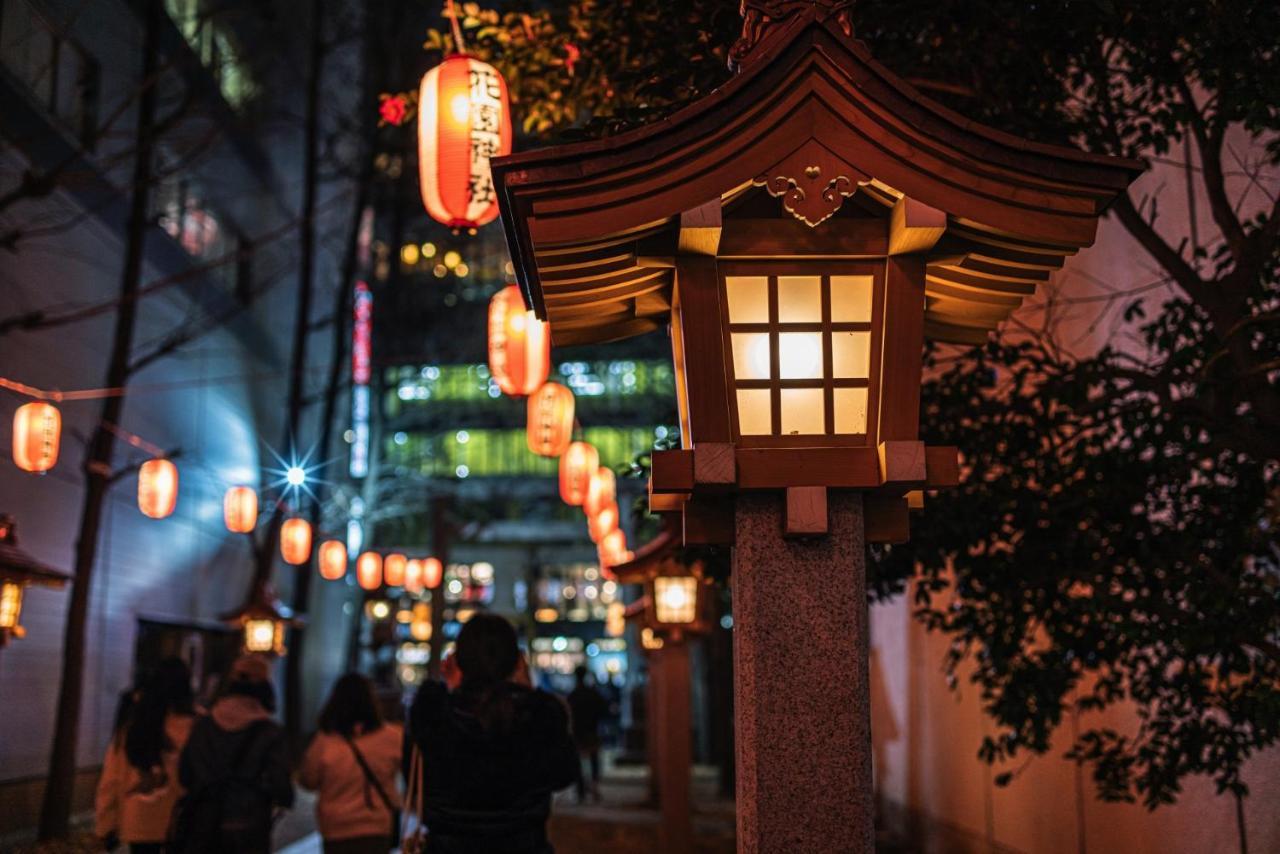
[{"x": 667, "y": 542}]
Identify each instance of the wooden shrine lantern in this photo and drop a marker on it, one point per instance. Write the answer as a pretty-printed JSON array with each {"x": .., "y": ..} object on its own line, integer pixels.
[
  {"x": 18, "y": 571},
  {"x": 157, "y": 488},
  {"x": 263, "y": 621},
  {"x": 550, "y": 424},
  {"x": 37, "y": 434},
  {"x": 295, "y": 541},
  {"x": 332, "y": 560},
  {"x": 240, "y": 509},
  {"x": 801, "y": 231}
]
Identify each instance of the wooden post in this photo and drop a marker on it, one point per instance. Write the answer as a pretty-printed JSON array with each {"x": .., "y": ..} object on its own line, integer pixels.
[
  {"x": 676, "y": 831},
  {"x": 801, "y": 694}
]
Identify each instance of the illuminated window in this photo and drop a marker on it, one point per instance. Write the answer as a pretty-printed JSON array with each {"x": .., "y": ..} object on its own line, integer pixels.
[{"x": 802, "y": 350}]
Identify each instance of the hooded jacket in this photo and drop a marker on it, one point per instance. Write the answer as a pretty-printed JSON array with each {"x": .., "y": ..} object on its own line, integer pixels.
[
  {"x": 347, "y": 804},
  {"x": 133, "y": 805},
  {"x": 487, "y": 780}
]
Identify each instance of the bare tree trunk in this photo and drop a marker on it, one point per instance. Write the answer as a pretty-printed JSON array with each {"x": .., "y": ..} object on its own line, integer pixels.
[
  {"x": 301, "y": 329},
  {"x": 55, "y": 812}
]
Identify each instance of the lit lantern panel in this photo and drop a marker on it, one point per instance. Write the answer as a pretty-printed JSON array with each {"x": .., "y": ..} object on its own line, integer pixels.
[
  {"x": 393, "y": 570},
  {"x": 432, "y": 573},
  {"x": 369, "y": 571},
  {"x": 772, "y": 321},
  {"x": 264, "y": 636},
  {"x": 603, "y": 523},
  {"x": 295, "y": 541},
  {"x": 464, "y": 120},
  {"x": 10, "y": 608},
  {"x": 37, "y": 433},
  {"x": 577, "y": 466},
  {"x": 240, "y": 509},
  {"x": 157, "y": 488},
  {"x": 519, "y": 345},
  {"x": 601, "y": 491},
  {"x": 333, "y": 560},
  {"x": 675, "y": 599},
  {"x": 550, "y": 428}
]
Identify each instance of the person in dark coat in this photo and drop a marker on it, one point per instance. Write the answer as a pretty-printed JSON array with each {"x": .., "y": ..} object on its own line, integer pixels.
[
  {"x": 493, "y": 750},
  {"x": 588, "y": 710},
  {"x": 235, "y": 769}
]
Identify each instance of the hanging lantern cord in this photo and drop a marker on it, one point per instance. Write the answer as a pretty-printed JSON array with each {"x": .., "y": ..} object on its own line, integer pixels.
[{"x": 452, "y": 12}]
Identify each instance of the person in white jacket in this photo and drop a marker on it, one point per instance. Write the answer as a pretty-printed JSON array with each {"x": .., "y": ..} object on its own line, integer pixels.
[
  {"x": 353, "y": 765},
  {"x": 139, "y": 784}
]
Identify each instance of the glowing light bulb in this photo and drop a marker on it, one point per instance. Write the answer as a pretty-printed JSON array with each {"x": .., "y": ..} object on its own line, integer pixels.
[
  {"x": 296, "y": 475},
  {"x": 799, "y": 356}
]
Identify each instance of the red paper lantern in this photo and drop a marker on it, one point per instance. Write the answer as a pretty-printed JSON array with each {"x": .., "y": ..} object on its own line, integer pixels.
[
  {"x": 519, "y": 344},
  {"x": 612, "y": 549},
  {"x": 240, "y": 510},
  {"x": 603, "y": 523},
  {"x": 550, "y": 426},
  {"x": 601, "y": 491},
  {"x": 37, "y": 432},
  {"x": 369, "y": 570},
  {"x": 295, "y": 541},
  {"x": 413, "y": 576},
  {"x": 157, "y": 488},
  {"x": 432, "y": 573},
  {"x": 576, "y": 467},
  {"x": 393, "y": 570},
  {"x": 333, "y": 560},
  {"x": 464, "y": 119}
]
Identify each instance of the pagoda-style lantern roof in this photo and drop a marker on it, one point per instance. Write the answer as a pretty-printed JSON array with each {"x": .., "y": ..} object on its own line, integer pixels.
[
  {"x": 18, "y": 566},
  {"x": 812, "y": 118}
]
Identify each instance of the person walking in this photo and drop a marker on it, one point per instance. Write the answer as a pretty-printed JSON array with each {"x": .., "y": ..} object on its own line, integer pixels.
[
  {"x": 492, "y": 751},
  {"x": 235, "y": 769},
  {"x": 587, "y": 710},
  {"x": 352, "y": 765},
  {"x": 139, "y": 785}
]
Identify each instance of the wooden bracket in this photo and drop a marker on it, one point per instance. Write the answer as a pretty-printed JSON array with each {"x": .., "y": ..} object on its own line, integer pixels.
[
  {"x": 671, "y": 471},
  {"x": 942, "y": 466},
  {"x": 700, "y": 230},
  {"x": 715, "y": 465},
  {"x": 806, "y": 511},
  {"x": 902, "y": 463},
  {"x": 914, "y": 227}
]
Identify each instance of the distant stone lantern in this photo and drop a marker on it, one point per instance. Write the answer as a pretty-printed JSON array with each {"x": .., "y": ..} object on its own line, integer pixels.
[
  {"x": 801, "y": 231},
  {"x": 18, "y": 571},
  {"x": 263, "y": 621}
]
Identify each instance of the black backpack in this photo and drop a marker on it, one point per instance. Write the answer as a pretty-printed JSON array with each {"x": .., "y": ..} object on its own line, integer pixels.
[{"x": 233, "y": 812}]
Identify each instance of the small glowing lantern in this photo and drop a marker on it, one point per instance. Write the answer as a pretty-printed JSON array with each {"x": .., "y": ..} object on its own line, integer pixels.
[
  {"x": 550, "y": 420},
  {"x": 432, "y": 573},
  {"x": 295, "y": 541},
  {"x": 612, "y": 549},
  {"x": 603, "y": 523},
  {"x": 601, "y": 491},
  {"x": 369, "y": 571},
  {"x": 240, "y": 509},
  {"x": 263, "y": 621},
  {"x": 464, "y": 119},
  {"x": 394, "y": 570},
  {"x": 157, "y": 488},
  {"x": 615, "y": 621},
  {"x": 333, "y": 560},
  {"x": 675, "y": 599},
  {"x": 519, "y": 344},
  {"x": 37, "y": 432},
  {"x": 420, "y": 625},
  {"x": 18, "y": 570},
  {"x": 413, "y": 576},
  {"x": 577, "y": 466}
]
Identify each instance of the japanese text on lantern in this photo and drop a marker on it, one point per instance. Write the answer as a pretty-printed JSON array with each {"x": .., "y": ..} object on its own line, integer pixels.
[{"x": 486, "y": 132}]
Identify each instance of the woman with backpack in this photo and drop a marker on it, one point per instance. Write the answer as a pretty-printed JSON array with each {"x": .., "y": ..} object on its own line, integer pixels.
[
  {"x": 493, "y": 749},
  {"x": 235, "y": 769},
  {"x": 352, "y": 765},
  {"x": 139, "y": 784}
]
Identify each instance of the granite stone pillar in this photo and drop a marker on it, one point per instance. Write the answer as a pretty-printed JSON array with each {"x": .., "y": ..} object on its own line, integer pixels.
[{"x": 800, "y": 681}]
